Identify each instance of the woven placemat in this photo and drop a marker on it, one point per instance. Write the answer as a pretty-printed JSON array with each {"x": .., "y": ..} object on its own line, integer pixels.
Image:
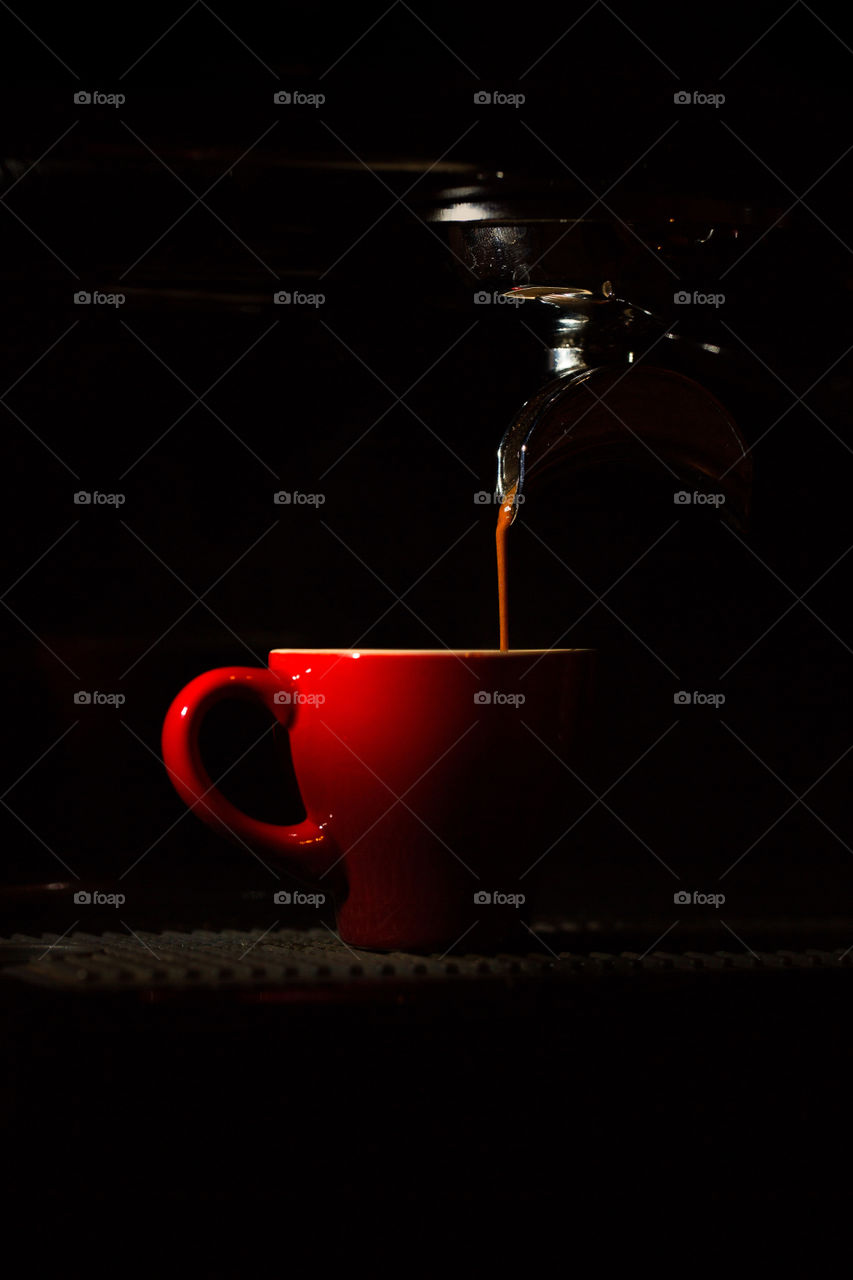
[{"x": 315, "y": 959}]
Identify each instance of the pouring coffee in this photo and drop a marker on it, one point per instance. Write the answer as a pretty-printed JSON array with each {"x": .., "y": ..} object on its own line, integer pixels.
[{"x": 604, "y": 403}]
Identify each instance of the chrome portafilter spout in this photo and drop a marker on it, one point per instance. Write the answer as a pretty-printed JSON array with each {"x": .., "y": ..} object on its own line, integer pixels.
[{"x": 603, "y": 402}]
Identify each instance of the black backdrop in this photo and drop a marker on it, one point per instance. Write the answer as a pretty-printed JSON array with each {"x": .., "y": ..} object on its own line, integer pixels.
[
  {"x": 303, "y": 398},
  {"x": 299, "y": 197}
]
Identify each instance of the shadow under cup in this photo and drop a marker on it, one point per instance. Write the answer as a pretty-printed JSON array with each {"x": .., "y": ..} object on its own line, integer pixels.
[{"x": 432, "y": 780}]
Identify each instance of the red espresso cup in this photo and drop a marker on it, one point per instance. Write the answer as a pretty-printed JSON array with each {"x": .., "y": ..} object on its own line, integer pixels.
[{"x": 432, "y": 780}]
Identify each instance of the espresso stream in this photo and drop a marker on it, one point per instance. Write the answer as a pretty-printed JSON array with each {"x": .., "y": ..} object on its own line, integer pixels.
[{"x": 504, "y": 522}]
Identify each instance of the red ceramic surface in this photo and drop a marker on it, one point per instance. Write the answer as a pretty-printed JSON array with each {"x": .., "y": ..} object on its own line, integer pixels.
[{"x": 429, "y": 778}]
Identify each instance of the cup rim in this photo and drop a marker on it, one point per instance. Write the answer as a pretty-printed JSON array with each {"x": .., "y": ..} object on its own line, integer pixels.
[{"x": 432, "y": 653}]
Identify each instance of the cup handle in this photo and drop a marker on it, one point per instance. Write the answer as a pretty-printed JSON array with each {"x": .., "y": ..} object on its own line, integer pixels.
[{"x": 304, "y": 847}]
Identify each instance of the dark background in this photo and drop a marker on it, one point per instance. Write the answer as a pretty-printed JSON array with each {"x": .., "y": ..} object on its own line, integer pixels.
[{"x": 304, "y": 399}]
